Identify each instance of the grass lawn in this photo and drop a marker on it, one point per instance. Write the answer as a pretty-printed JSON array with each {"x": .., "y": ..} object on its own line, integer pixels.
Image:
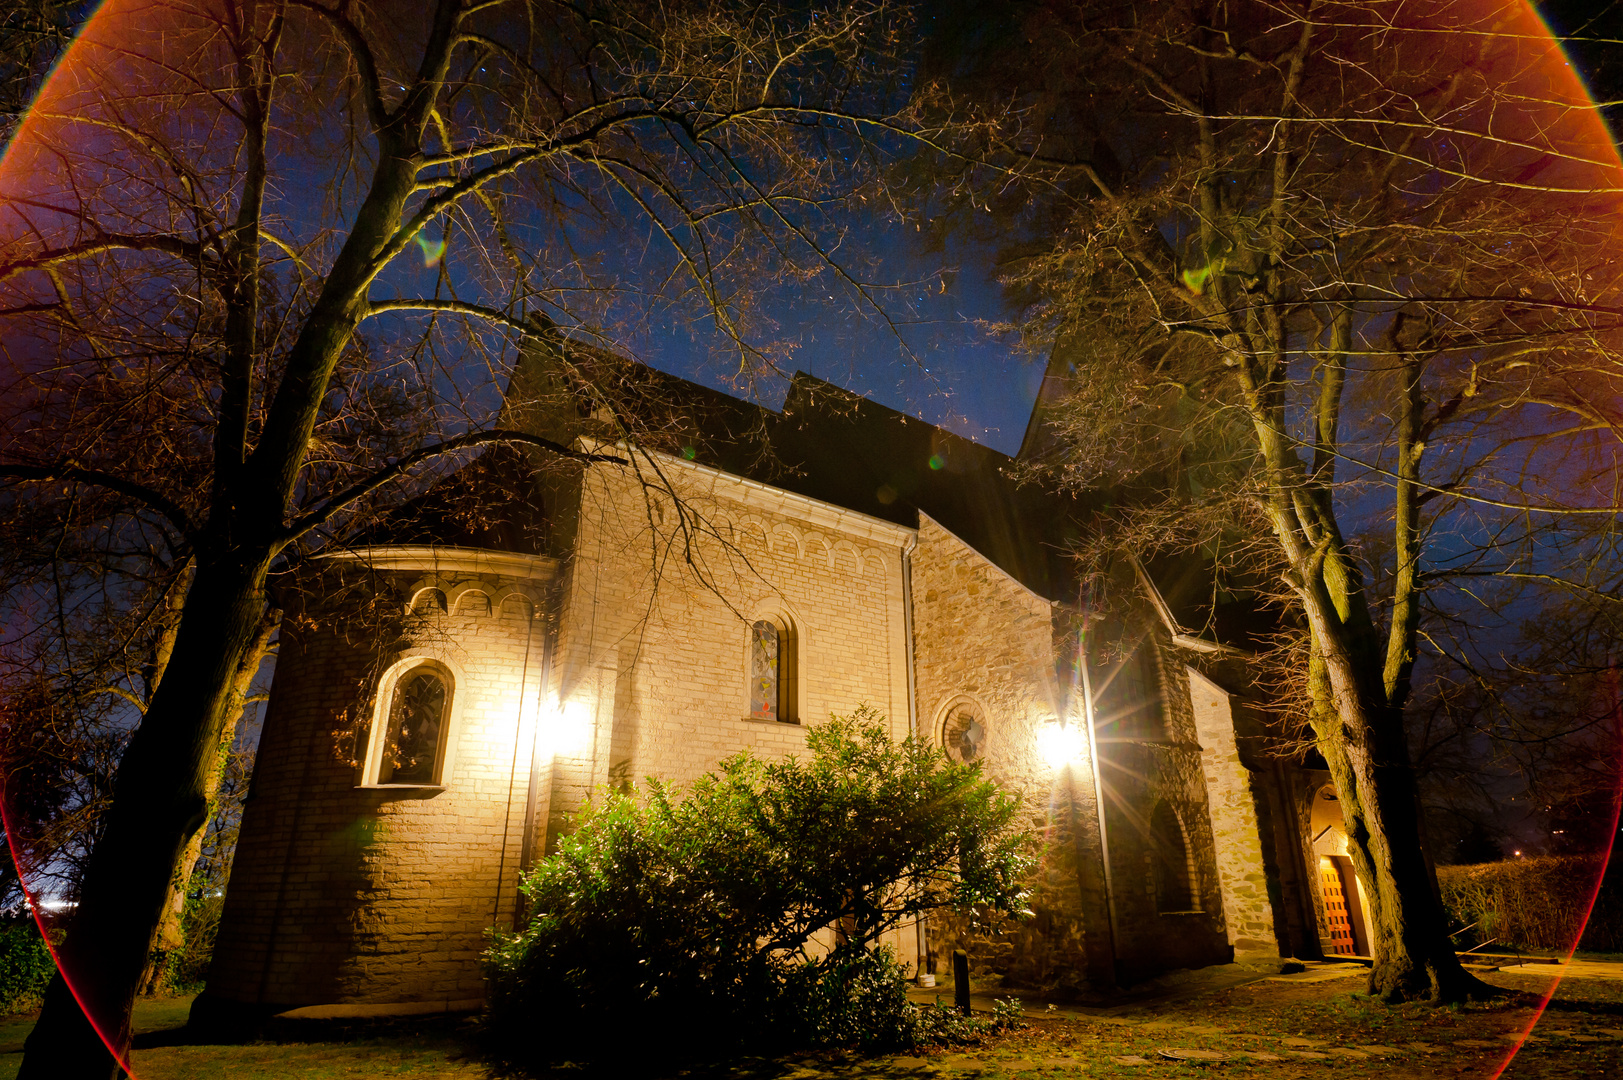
[{"x": 1269, "y": 1028}]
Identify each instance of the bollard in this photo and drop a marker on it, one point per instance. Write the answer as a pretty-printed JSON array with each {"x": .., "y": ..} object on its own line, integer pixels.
[{"x": 960, "y": 980}]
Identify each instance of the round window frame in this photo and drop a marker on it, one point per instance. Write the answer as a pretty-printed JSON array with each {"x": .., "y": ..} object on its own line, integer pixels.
[{"x": 983, "y": 716}]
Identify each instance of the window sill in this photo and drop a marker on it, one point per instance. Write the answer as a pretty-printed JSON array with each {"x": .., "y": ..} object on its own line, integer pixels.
[
  {"x": 399, "y": 787},
  {"x": 1196, "y": 911},
  {"x": 769, "y": 723}
]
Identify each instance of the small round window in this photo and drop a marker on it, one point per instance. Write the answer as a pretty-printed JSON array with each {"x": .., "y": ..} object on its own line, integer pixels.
[{"x": 963, "y": 735}]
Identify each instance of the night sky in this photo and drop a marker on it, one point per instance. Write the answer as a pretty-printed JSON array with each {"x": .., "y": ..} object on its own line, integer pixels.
[{"x": 962, "y": 375}]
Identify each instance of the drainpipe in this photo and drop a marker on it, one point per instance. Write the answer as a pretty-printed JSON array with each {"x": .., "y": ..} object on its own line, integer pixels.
[
  {"x": 921, "y": 925},
  {"x": 907, "y": 625},
  {"x": 549, "y": 633},
  {"x": 1098, "y": 789}
]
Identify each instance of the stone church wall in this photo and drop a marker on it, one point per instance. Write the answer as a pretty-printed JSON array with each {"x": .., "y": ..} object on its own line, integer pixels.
[
  {"x": 652, "y": 656},
  {"x": 651, "y": 674},
  {"x": 349, "y": 893},
  {"x": 983, "y": 639},
  {"x": 1153, "y": 759}
]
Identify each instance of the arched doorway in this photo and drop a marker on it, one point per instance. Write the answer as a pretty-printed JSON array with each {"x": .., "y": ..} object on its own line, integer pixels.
[{"x": 1343, "y": 918}]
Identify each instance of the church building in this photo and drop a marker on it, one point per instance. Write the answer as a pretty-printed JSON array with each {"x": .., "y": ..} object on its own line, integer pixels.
[{"x": 539, "y": 625}]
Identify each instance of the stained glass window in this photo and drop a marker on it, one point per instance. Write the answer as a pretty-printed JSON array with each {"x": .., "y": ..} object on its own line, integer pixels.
[
  {"x": 765, "y": 670},
  {"x": 415, "y": 717}
]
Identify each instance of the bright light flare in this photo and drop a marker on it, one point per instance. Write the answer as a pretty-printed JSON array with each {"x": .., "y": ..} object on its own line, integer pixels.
[
  {"x": 1061, "y": 744},
  {"x": 566, "y": 730}
]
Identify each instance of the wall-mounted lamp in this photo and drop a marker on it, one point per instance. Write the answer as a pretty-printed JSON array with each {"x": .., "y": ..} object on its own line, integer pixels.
[{"x": 1061, "y": 744}]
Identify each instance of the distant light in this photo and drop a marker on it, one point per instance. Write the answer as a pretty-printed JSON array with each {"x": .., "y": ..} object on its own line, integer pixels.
[
  {"x": 1517, "y": 854},
  {"x": 1061, "y": 744}
]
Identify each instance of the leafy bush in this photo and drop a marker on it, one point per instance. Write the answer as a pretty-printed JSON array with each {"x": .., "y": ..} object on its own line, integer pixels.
[
  {"x": 854, "y": 999},
  {"x": 1534, "y": 903},
  {"x": 25, "y": 966},
  {"x": 690, "y": 921}
]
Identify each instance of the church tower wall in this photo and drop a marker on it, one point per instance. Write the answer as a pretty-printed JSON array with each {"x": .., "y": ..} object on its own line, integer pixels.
[{"x": 346, "y": 889}]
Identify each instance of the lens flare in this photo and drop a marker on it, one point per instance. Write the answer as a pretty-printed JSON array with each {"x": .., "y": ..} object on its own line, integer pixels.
[{"x": 433, "y": 250}]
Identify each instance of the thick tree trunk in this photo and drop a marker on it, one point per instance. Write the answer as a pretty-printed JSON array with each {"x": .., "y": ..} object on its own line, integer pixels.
[
  {"x": 159, "y": 803},
  {"x": 1368, "y": 756},
  {"x": 171, "y": 932},
  {"x": 160, "y": 800}
]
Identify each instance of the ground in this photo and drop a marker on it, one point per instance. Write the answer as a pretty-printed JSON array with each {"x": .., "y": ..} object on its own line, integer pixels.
[{"x": 1314, "y": 1025}]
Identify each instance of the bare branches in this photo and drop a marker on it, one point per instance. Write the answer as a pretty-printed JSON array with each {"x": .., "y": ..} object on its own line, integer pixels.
[
  {"x": 343, "y": 500},
  {"x": 168, "y": 509},
  {"x": 188, "y": 250}
]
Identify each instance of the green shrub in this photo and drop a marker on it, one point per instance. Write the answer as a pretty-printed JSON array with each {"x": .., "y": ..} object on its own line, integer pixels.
[
  {"x": 26, "y": 966},
  {"x": 1535, "y": 904},
  {"x": 855, "y": 999},
  {"x": 689, "y": 921}
]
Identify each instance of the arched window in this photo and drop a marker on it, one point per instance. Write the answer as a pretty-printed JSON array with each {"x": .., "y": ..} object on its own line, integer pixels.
[
  {"x": 1171, "y": 868},
  {"x": 963, "y": 734},
  {"x": 411, "y": 734},
  {"x": 772, "y": 671}
]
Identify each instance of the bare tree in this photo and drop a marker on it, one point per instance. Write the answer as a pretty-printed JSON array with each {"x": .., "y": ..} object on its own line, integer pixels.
[
  {"x": 1336, "y": 282},
  {"x": 264, "y": 262}
]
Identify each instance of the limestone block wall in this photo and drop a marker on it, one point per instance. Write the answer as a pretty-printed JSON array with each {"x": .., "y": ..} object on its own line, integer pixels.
[
  {"x": 650, "y": 669},
  {"x": 651, "y": 664},
  {"x": 345, "y": 893},
  {"x": 980, "y": 637},
  {"x": 1237, "y": 812}
]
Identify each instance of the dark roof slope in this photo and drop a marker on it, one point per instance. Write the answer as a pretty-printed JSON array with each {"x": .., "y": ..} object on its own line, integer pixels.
[
  {"x": 493, "y": 502},
  {"x": 827, "y": 444}
]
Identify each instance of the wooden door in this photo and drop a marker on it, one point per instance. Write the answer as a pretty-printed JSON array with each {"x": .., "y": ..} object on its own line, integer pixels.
[{"x": 1335, "y": 909}]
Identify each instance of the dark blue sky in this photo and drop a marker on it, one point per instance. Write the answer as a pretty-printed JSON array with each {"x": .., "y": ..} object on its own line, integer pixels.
[{"x": 960, "y": 375}]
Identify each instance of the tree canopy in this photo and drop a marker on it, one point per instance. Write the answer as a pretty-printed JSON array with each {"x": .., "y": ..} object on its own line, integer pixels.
[
  {"x": 1337, "y": 286},
  {"x": 264, "y": 265}
]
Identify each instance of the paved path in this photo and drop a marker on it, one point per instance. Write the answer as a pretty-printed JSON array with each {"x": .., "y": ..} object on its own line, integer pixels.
[{"x": 1191, "y": 984}]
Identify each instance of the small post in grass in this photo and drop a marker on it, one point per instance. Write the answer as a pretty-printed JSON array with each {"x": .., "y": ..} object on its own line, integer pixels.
[{"x": 960, "y": 980}]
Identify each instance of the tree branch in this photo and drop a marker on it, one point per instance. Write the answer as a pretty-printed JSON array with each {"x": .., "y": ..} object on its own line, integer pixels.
[
  {"x": 171, "y": 511},
  {"x": 336, "y": 505}
]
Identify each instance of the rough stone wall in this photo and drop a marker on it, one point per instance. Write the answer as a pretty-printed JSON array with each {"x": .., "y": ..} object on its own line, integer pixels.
[
  {"x": 1237, "y": 812},
  {"x": 982, "y": 637},
  {"x": 1152, "y": 759},
  {"x": 342, "y": 893},
  {"x": 650, "y": 669},
  {"x": 650, "y": 674}
]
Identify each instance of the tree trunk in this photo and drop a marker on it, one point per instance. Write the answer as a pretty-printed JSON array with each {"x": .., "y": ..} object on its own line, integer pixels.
[
  {"x": 158, "y": 804},
  {"x": 1368, "y": 756},
  {"x": 171, "y": 934}
]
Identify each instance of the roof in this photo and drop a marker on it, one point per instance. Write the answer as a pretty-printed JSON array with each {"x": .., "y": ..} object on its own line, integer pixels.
[
  {"x": 826, "y": 443},
  {"x": 493, "y": 503}
]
